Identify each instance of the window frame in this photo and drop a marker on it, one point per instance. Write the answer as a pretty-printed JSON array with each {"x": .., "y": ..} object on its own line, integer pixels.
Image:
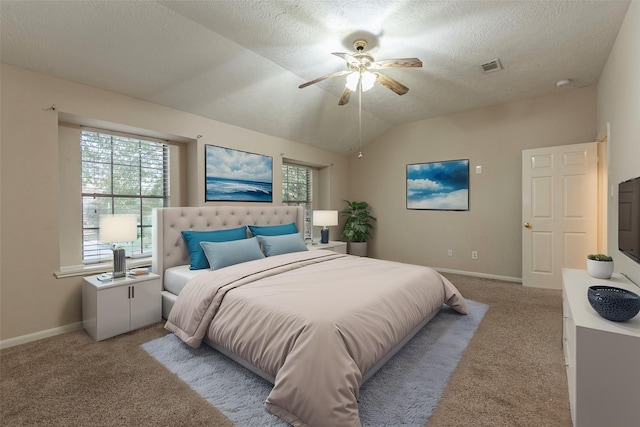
[
  {"x": 110, "y": 200},
  {"x": 307, "y": 202}
]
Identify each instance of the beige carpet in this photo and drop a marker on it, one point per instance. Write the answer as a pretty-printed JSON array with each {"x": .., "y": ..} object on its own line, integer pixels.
[{"x": 512, "y": 373}]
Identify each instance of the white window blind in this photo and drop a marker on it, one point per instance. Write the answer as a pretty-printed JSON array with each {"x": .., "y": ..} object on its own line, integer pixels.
[
  {"x": 121, "y": 174},
  {"x": 297, "y": 191}
]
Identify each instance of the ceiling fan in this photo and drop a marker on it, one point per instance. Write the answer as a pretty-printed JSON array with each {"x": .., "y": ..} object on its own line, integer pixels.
[{"x": 361, "y": 71}]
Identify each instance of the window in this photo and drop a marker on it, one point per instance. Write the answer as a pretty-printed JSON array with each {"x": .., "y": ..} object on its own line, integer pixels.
[
  {"x": 296, "y": 191},
  {"x": 121, "y": 174}
]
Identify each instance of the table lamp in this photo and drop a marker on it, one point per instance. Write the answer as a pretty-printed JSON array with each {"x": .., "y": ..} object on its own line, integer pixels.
[
  {"x": 115, "y": 229},
  {"x": 324, "y": 219}
]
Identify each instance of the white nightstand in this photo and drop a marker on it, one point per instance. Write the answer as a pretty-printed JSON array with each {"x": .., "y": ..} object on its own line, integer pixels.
[
  {"x": 121, "y": 305},
  {"x": 339, "y": 247}
]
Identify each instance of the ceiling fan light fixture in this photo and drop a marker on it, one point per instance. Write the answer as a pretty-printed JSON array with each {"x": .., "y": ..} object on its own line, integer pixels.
[
  {"x": 352, "y": 81},
  {"x": 368, "y": 79}
]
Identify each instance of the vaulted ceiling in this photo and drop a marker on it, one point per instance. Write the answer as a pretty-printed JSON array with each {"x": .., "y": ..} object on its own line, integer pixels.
[{"x": 241, "y": 62}]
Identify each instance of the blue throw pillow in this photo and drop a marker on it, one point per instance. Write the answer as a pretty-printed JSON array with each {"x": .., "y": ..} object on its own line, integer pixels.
[
  {"x": 284, "y": 244},
  {"x": 224, "y": 254},
  {"x": 193, "y": 239},
  {"x": 273, "y": 230}
]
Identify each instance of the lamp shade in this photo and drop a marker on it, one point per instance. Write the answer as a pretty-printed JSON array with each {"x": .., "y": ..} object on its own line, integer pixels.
[
  {"x": 325, "y": 218},
  {"x": 118, "y": 228}
]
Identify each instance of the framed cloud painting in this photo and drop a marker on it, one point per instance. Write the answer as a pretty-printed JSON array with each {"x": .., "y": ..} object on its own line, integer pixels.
[
  {"x": 237, "y": 176},
  {"x": 438, "y": 185}
]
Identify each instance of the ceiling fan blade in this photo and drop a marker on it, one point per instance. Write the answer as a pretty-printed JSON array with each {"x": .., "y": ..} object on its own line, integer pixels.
[
  {"x": 352, "y": 60},
  {"x": 346, "y": 94},
  {"x": 396, "y": 63},
  {"x": 328, "y": 76},
  {"x": 392, "y": 84}
]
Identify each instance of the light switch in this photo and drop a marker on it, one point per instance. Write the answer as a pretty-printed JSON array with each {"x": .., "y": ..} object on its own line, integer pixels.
[{"x": 478, "y": 169}]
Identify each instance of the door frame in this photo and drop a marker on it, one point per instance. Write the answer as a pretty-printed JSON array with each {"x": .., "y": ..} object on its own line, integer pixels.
[{"x": 562, "y": 237}]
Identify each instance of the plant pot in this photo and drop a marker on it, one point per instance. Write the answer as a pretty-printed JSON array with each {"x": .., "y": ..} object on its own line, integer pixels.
[
  {"x": 357, "y": 248},
  {"x": 600, "y": 269}
]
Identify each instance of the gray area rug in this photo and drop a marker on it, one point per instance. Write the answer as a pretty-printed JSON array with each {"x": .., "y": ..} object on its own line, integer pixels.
[{"x": 403, "y": 392}]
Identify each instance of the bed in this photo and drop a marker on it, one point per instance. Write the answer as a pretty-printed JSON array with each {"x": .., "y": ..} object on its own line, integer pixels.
[{"x": 316, "y": 324}]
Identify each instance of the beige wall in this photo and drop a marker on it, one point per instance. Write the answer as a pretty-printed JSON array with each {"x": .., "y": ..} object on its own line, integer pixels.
[
  {"x": 32, "y": 300},
  {"x": 491, "y": 137},
  {"x": 619, "y": 106}
]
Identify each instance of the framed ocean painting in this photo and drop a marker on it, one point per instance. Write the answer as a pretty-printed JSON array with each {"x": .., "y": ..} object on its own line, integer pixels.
[
  {"x": 438, "y": 185},
  {"x": 237, "y": 176}
]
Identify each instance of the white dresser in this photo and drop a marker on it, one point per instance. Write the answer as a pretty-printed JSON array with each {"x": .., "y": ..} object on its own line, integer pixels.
[{"x": 602, "y": 357}]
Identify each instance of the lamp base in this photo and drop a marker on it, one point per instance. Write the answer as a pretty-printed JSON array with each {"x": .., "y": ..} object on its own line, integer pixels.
[
  {"x": 119, "y": 263},
  {"x": 324, "y": 235}
]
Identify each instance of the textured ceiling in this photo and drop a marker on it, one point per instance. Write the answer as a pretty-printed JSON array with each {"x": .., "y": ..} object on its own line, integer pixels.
[{"x": 241, "y": 62}]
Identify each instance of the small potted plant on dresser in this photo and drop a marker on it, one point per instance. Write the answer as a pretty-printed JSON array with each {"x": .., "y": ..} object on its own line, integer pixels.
[
  {"x": 599, "y": 266},
  {"x": 358, "y": 227}
]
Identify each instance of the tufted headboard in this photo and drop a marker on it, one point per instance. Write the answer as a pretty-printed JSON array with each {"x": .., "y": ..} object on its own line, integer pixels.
[{"x": 169, "y": 249}]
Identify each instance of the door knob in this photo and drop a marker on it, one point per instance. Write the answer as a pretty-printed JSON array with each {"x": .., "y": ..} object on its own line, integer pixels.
[{"x": 527, "y": 225}]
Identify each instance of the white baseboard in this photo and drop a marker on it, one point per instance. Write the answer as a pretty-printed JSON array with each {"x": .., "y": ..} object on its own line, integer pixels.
[
  {"x": 40, "y": 335},
  {"x": 473, "y": 273}
]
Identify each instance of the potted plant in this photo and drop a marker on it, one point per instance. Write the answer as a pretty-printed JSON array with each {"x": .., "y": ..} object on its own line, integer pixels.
[
  {"x": 599, "y": 266},
  {"x": 358, "y": 227}
]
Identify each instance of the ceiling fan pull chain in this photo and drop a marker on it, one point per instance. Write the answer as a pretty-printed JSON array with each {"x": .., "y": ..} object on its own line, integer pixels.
[{"x": 360, "y": 120}]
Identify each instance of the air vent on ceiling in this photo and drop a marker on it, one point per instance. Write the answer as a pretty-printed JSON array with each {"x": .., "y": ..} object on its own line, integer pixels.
[{"x": 491, "y": 66}]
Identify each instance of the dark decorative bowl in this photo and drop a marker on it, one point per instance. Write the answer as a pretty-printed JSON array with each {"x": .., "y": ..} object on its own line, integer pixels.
[{"x": 614, "y": 303}]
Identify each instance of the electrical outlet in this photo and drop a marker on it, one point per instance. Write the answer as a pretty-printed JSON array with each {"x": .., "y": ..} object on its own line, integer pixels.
[
  {"x": 474, "y": 254},
  {"x": 450, "y": 252}
]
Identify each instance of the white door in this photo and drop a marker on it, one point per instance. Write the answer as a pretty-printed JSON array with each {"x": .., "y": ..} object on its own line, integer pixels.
[{"x": 559, "y": 211}]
